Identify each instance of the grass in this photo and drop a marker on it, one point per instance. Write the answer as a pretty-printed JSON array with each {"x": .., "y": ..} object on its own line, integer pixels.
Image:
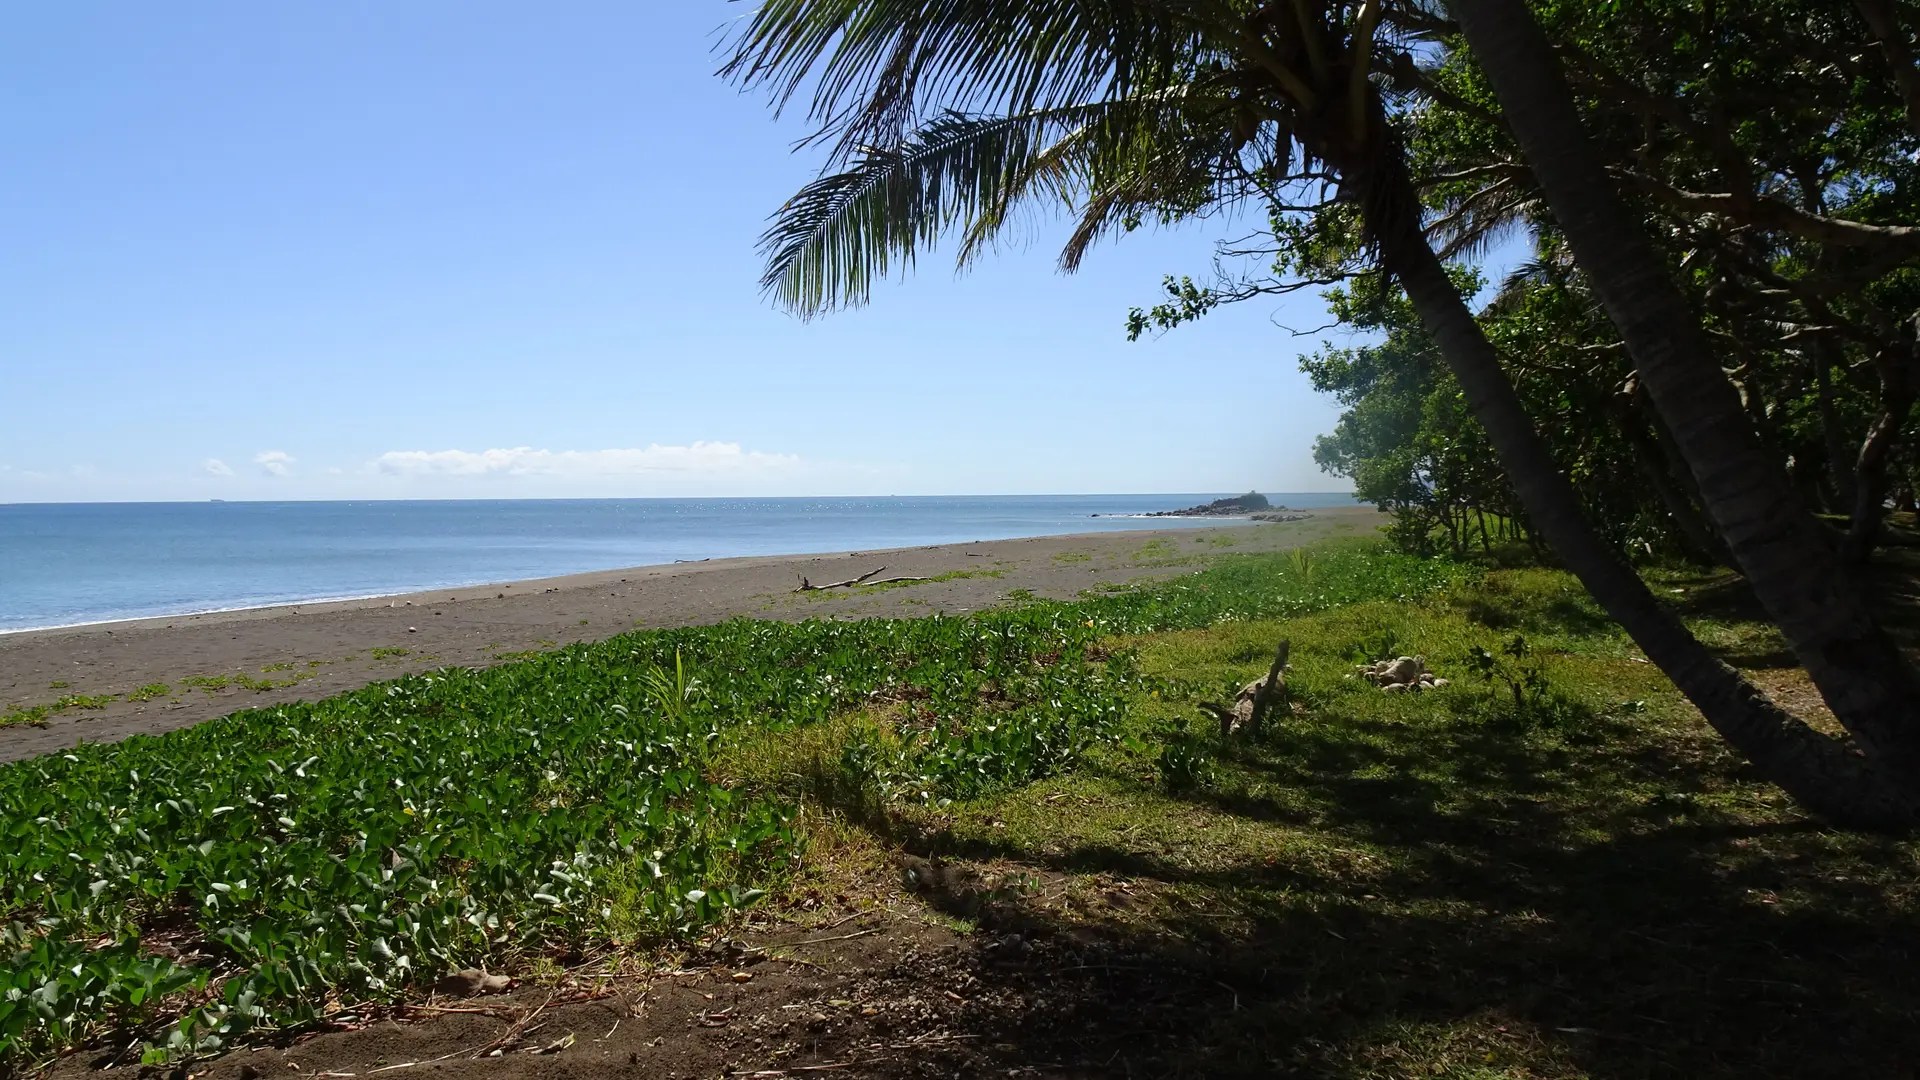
[
  {"x": 36, "y": 715},
  {"x": 149, "y": 692},
  {"x": 213, "y": 684},
  {"x": 84, "y": 701},
  {"x": 1582, "y": 883},
  {"x": 29, "y": 715},
  {"x": 1162, "y": 552},
  {"x": 1575, "y": 880}
]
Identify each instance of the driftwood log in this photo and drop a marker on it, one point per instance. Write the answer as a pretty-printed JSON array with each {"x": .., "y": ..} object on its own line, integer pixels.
[
  {"x": 1251, "y": 704},
  {"x": 867, "y": 578}
]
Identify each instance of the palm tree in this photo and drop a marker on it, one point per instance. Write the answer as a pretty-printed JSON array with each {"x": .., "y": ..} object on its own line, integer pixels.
[
  {"x": 947, "y": 116},
  {"x": 1777, "y": 544}
]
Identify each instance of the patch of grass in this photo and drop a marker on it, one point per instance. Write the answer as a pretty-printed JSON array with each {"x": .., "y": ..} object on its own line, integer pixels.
[
  {"x": 84, "y": 701},
  {"x": 389, "y": 652},
  {"x": 1020, "y": 596},
  {"x": 58, "y": 684},
  {"x": 282, "y": 666},
  {"x": 1072, "y": 557},
  {"x": 149, "y": 692},
  {"x": 1576, "y": 880},
  {"x": 1222, "y": 540},
  {"x": 1164, "y": 552},
  {"x": 30, "y": 715},
  {"x": 213, "y": 684}
]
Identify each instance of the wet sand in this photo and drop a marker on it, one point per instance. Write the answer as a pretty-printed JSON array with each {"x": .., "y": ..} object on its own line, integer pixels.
[{"x": 268, "y": 656}]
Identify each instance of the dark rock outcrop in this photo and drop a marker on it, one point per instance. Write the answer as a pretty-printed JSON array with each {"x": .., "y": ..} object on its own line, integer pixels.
[{"x": 1237, "y": 506}]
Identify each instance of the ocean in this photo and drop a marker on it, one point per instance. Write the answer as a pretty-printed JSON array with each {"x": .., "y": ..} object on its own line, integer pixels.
[{"x": 63, "y": 564}]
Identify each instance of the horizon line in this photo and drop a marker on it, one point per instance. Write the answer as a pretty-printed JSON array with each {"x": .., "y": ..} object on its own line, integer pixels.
[{"x": 659, "y": 498}]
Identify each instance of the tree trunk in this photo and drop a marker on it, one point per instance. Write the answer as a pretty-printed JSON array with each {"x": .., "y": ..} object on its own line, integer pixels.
[
  {"x": 1840, "y": 465},
  {"x": 1897, "y": 392},
  {"x": 1698, "y": 544},
  {"x": 1777, "y": 544},
  {"x": 1815, "y": 770}
]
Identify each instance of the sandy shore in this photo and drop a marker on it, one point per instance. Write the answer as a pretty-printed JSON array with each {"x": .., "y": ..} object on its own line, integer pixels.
[{"x": 213, "y": 664}]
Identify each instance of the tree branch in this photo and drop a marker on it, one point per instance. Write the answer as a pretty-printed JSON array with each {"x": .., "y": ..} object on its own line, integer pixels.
[
  {"x": 1768, "y": 213},
  {"x": 1893, "y": 45}
]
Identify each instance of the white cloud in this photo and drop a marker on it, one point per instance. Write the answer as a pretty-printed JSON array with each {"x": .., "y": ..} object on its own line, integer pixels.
[
  {"x": 700, "y": 459},
  {"x": 217, "y": 467},
  {"x": 273, "y": 462}
]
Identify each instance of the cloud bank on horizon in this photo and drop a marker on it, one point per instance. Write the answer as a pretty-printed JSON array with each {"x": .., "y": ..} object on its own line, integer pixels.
[
  {"x": 701, "y": 458},
  {"x": 702, "y": 467}
]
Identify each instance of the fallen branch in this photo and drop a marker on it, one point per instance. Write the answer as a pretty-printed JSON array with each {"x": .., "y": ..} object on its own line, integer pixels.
[
  {"x": 808, "y": 586},
  {"x": 411, "y": 1064},
  {"x": 770, "y": 1074},
  {"x": 514, "y": 1031},
  {"x": 842, "y": 937}
]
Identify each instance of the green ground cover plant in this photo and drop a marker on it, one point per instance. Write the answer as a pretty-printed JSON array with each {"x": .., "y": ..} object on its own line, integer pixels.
[
  {"x": 84, "y": 701},
  {"x": 25, "y": 714},
  {"x": 36, "y": 715},
  {"x": 258, "y": 872}
]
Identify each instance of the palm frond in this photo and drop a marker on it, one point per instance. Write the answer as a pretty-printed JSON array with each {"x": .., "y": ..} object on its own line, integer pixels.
[
  {"x": 827, "y": 246},
  {"x": 871, "y": 63},
  {"x": 1471, "y": 223}
]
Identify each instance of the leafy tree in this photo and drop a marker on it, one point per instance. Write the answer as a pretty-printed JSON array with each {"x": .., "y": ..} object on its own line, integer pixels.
[
  {"x": 1790, "y": 565},
  {"x": 1407, "y": 440}
]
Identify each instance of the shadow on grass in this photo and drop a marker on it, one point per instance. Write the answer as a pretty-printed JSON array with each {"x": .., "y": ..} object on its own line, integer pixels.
[
  {"x": 1371, "y": 891},
  {"x": 1518, "y": 920}
]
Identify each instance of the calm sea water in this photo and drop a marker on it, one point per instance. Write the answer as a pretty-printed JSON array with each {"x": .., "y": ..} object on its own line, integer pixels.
[{"x": 68, "y": 563}]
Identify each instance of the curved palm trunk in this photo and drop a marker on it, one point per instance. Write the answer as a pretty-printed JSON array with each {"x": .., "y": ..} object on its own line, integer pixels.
[
  {"x": 1778, "y": 545},
  {"x": 1815, "y": 770}
]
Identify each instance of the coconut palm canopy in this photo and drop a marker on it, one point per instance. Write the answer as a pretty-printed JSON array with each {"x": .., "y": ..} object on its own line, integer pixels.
[{"x": 949, "y": 119}]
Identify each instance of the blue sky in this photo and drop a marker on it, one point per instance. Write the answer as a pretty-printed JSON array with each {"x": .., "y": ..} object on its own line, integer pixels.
[{"x": 475, "y": 249}]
